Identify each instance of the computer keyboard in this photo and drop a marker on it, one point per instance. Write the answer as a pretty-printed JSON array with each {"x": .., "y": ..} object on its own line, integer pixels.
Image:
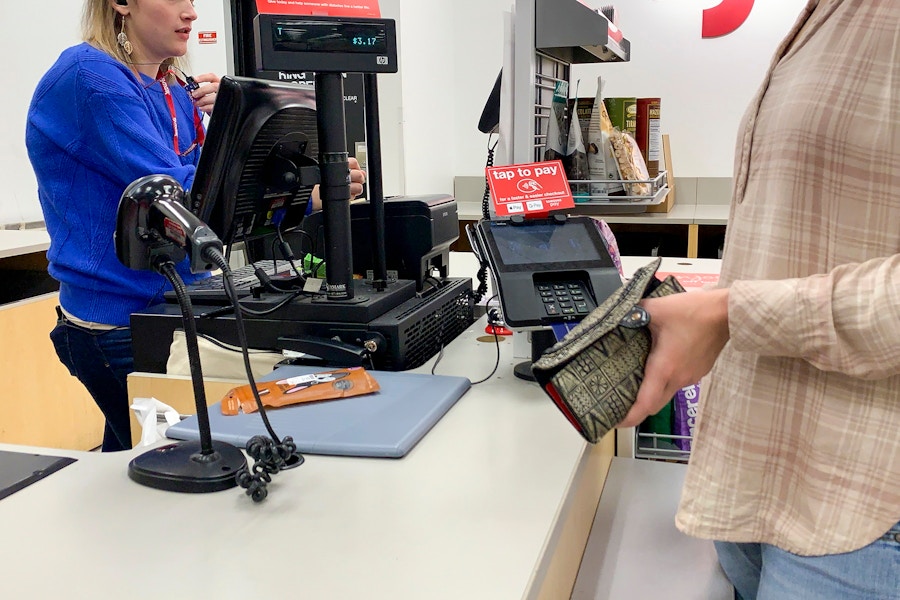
[{"x": 212, "y": 289}]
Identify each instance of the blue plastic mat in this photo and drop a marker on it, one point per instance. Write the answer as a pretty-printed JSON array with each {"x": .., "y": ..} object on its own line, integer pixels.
[{"x": 385, "y": 424}]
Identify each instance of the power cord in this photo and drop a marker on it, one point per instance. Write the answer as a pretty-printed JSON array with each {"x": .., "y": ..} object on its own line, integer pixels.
[
  {"x": 271, "y": 455},
  {"x": 269, "y": 458},
  {"x": 288, "y": 253},
  {"x": 492, "y": 314},
  {"x": 315, "y": 263},
  {"x": 493, "y": 319}
]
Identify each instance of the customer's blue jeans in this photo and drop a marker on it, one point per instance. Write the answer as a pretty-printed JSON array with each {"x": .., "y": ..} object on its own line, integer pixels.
[
  {"x": 764, "y": 572},
  {"x": 101, "y": 360}
]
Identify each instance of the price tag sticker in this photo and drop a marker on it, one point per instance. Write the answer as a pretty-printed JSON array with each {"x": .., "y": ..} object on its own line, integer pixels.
[{"x": 533, "y": 189}]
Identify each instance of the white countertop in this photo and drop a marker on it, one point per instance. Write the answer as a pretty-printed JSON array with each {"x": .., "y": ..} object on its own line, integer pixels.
[
  {"x": 16, "y": 242},
  {"x": 469, "y": 513},
  {"x": 466, "y": 514},
  {"x": 711, "y": 214}
]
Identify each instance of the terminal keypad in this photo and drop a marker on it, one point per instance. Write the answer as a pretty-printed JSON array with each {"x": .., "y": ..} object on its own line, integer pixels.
[{"x": 568, "y": 300}]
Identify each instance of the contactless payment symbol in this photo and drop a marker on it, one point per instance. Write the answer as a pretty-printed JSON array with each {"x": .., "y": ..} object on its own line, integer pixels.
[
  {"x": 533, "y": 189},
  {"x": 528, "y": 186}
]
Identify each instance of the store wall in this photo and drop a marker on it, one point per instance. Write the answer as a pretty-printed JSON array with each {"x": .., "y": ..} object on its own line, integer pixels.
[
  {"x": 705, "y": 84},
  {"x": 31, "y": 39},
  {"x": 450, "y": 53}
]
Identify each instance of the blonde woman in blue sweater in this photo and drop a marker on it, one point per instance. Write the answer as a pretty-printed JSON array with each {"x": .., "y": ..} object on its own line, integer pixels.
[{"x": 110, "y": 110}]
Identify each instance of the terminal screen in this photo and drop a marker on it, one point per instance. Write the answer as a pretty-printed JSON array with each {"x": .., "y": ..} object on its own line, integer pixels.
[{"x": 547, "y": 244}]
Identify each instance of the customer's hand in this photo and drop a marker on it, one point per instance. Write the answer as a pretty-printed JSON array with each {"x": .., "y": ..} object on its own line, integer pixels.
[
  {"x": 689, "y": 331},
  {"x": 205, "y": 96},
  {"x": 357, "y": 179}
]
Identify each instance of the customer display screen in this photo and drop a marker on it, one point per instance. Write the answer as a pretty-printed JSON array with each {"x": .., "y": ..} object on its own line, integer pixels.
[
  {"x": 543, "y": 245},
  {"x": 298, "y": 35}
]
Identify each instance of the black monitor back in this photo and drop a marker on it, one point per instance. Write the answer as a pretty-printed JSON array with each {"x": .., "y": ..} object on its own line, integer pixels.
[{"x": 257, "y": 167}]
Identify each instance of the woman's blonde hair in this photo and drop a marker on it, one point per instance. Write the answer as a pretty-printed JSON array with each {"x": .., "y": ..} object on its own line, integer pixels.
[{"x": 100, "y": 24}]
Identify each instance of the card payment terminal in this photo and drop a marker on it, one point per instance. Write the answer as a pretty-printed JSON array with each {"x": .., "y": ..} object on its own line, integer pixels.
[{"x": 546, "y": 270}]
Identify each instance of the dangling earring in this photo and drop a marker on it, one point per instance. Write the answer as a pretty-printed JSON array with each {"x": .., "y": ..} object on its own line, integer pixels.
[{"x": 122, "y": 39}]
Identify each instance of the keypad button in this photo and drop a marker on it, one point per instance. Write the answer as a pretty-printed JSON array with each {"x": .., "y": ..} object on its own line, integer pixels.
[{"x": 567, "y": 299}]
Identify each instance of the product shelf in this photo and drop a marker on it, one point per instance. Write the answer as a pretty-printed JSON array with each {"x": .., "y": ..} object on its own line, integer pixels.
[
  {"x": 581, "y": 190},
  {"x": 571, "y": 32},
  {"x": 657, "y": 446}
]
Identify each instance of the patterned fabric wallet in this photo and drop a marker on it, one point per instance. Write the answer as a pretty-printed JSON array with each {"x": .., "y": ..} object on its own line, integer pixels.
[{"x": 593, "y": 374}]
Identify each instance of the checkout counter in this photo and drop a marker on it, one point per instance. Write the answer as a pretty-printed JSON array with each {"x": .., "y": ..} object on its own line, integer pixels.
[
  {"x": 41, "y": 403},
  {"x": 499, "y": 500}
]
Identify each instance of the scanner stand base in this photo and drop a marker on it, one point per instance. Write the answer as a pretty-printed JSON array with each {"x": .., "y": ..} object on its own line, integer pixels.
[{"x": 182, "y": 467}]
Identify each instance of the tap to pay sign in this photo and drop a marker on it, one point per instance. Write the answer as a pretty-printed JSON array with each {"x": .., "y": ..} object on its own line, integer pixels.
[{"x": 529, "y": 189}]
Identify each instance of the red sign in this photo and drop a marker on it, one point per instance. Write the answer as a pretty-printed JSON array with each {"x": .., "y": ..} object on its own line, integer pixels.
[
  {"x": 206, "y": 37},
  {"x": 724, "y": 18},
  {"x": 334, "y": 8},
  {"x": 531, "y": 189}
]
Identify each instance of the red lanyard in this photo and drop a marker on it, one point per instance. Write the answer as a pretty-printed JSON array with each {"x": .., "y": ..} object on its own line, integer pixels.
[{"x": 199, "y": 133}]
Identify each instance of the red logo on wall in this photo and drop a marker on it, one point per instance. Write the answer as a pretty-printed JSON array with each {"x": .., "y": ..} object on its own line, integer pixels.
[
  {"x": 726, "y": 17},
  {"x": 206, "y": 37}
]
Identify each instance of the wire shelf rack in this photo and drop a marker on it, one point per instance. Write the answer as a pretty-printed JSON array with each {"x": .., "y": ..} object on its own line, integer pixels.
[
  {"x": 662, "y": 447},
  {"x": 582, "y": 191}
]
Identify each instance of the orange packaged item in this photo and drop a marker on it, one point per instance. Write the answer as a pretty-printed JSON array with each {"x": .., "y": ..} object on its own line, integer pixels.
[{"x": 314, "y": 387}]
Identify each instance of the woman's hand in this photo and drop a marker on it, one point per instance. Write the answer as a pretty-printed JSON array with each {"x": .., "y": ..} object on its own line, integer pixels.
[
  {"x": 357, "y": 179},
  {"x": 205, "y": 96},
  {"x": 688, "y": 332}
]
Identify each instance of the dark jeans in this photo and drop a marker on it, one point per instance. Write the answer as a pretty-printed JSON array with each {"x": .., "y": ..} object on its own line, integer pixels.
[{"x": 101, "y": 360}]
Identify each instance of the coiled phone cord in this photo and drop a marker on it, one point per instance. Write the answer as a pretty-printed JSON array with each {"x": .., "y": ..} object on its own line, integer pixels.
[{"x": 482, "y": 288}]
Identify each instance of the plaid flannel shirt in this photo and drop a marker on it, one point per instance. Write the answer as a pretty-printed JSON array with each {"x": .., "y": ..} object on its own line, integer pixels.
[{"x": 798, "y": 439}]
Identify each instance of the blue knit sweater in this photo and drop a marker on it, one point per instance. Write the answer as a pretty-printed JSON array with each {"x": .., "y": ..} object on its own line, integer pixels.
[{"x": 92, "y": 129}]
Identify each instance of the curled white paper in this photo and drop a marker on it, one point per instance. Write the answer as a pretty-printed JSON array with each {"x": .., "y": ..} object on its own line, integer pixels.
[{"x": 148, "y": 412}]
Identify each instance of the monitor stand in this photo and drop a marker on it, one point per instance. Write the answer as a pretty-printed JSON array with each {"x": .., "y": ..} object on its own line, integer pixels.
[{"x": 541, "y": 339}]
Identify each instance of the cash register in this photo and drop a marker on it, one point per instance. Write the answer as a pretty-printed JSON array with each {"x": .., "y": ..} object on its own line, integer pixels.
[{"x": 267, "y": 145}]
